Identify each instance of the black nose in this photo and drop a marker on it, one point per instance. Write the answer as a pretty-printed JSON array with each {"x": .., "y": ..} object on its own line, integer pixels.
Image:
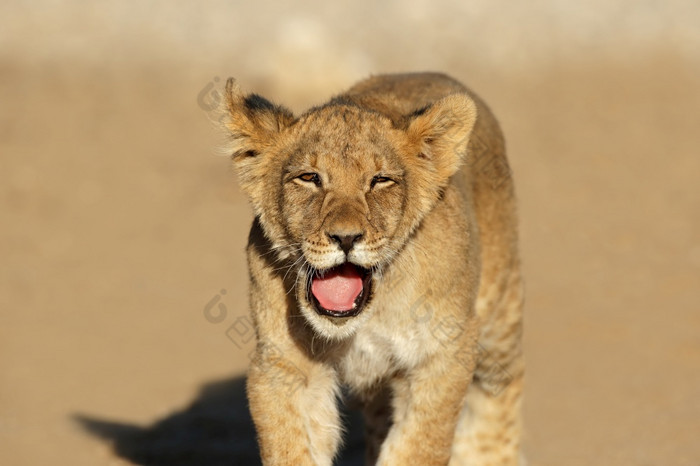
[{"x": 345, "y": 242}]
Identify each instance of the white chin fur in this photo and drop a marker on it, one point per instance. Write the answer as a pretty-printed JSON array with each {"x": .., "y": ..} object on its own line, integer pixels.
[{"x": 330, "y": 328}]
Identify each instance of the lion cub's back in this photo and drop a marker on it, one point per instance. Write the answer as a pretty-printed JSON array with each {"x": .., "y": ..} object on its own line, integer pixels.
[{"x": 397, "y": 95}]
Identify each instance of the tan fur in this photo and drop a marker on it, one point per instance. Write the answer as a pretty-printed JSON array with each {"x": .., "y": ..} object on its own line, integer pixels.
[{"x": 436, "y": 354}]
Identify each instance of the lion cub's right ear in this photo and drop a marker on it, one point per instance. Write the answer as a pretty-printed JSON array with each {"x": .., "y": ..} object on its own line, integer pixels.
[
  {"x": 252, "y": 122},
  {"x": 441, "y": 132}
]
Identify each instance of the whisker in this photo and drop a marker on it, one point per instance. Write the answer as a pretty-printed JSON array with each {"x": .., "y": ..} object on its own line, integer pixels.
[
  {"x": 299, "y": 259},
  {"x": 295, "y": 247}
]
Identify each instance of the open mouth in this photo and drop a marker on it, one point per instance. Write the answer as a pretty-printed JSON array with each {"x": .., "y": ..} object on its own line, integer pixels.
[{"x": 341, "y": 291}]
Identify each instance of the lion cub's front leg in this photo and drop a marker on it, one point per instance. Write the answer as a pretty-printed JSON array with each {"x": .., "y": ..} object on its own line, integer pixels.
[
  {"x": 293, "y": 405},
  {"x": 427, "y": 402}
]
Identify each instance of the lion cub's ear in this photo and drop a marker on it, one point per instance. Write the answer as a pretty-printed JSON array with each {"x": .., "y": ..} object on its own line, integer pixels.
[
  {"x": 252, "y": 121},
  {"x": 442, "y": 132}
]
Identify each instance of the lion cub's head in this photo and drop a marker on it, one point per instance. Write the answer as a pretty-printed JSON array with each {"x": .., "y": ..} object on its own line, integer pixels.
[{"x": 340, "y": 189}]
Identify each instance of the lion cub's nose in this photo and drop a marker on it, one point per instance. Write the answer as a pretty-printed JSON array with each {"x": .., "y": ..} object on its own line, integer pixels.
[{"x": 345, "y": 242}]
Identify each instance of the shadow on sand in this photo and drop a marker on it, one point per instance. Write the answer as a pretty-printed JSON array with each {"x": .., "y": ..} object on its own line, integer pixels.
[{"x": 215, "y": 429}]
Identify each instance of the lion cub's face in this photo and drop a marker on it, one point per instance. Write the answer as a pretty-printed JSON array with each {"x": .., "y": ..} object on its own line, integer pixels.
[{"x": 339, "y": 190}]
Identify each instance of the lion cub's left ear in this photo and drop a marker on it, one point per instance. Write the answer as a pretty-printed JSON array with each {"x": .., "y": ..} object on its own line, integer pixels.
[
  {"x": 442, "y": 132},
  {"x": 253, "y": 122}
]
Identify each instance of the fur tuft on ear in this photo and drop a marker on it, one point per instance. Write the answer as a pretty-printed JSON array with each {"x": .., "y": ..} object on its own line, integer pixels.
[
  {"x": 441, "y": 132},
  {"x": 252, "y": 121}
]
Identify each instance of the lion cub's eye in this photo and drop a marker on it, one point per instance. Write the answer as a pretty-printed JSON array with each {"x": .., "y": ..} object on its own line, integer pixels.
[
  {"x": 310, "y": 178},
  {"x": 381, "y": 181}
]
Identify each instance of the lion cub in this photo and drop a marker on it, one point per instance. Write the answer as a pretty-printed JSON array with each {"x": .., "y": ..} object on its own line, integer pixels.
[{"x": 383, "y": 258}]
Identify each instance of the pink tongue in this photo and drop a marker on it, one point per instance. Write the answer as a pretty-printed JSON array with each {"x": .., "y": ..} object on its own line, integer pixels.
[{"x": 338, "y": 289}]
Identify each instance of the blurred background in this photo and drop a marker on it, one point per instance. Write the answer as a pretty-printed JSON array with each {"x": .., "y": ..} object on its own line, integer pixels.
[{"x": 123, "y": 288}]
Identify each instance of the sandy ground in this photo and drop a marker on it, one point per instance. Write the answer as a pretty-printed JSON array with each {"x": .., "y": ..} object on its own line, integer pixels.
[{"x": 119, "y": 224}]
